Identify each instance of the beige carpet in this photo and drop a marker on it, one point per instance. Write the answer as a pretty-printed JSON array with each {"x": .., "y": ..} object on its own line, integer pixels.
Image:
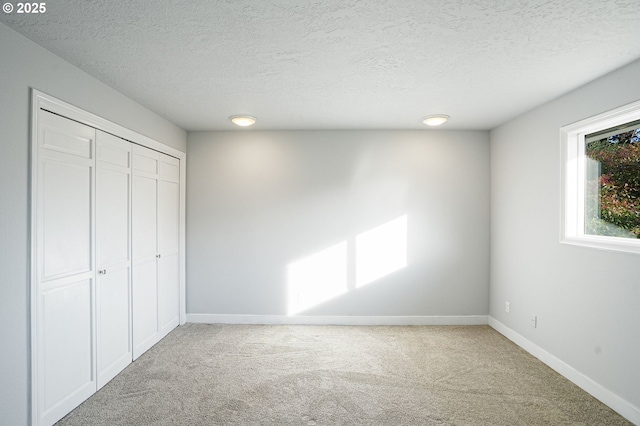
[{"x": 327, "y": 375}]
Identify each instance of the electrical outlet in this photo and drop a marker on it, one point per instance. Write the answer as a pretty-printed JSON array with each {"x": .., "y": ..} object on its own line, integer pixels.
[
  {"x": 534, "y": 321},
  {"x": 507, "y": 306}
]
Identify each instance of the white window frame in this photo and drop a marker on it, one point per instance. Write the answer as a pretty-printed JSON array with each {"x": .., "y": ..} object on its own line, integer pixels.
[{"x": 573, "y": 168}]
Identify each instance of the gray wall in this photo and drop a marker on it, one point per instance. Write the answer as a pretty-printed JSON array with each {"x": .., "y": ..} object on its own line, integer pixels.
[
  {"x": 257, "y": 201},
  {"x": 587, "y": 300},
  {"x": 24, "y": 65}
]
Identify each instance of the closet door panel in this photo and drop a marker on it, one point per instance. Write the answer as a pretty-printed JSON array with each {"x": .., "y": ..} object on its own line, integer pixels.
[
  {"x": 145, "y": 310},
  {"x": 168, "y": 244},
  {"x": 67, "y": 344},
  {"x": 145, "y": 197},
  {"x": 65, "y": 334},
  {"x": 114, "y": 324},
  {"x": 168, "y": 216},
  {"x": 168, "y": 293},
  {"x": 169, "y": 168},
  {"x": 66, "y": 215},
  {"x": 113, "y": 216},
  {"x": 60, "y": 135},
  {"x": 145, "y": 249},
  {"x": 113, "y": 231}
]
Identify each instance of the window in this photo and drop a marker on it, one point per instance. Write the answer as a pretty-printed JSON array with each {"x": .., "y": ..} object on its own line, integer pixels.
[{"x": 601, "y": 181}]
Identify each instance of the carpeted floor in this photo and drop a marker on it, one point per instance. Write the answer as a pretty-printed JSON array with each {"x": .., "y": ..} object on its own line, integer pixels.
[{"x": 325, "y": 375}]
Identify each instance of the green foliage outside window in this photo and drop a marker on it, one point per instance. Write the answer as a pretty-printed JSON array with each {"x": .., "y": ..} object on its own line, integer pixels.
[{"x": 613, "y": 190}]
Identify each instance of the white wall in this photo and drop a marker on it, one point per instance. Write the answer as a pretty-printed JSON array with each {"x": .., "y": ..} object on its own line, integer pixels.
[
  {"x": 25, "y": 65},
  {"x": 257, "y": 201},
  {"x": 587, "y": 300}
]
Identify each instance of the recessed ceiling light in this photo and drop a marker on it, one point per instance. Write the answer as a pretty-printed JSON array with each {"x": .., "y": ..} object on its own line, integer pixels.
[
  {"x": 243, "y": 120},
  {"x": 435, "y": 119}
]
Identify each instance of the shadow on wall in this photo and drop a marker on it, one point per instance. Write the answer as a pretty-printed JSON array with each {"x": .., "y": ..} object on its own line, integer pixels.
[{"x": 333, "y": 271}]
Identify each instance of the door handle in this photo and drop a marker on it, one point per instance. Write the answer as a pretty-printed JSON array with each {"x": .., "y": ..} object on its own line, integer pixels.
[
  {"x": 102, "y": 272},
  {"x": 158, "y": 256}
]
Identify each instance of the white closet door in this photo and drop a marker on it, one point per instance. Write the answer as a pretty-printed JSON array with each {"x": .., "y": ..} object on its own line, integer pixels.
[
  {"x": 168, "y": 244},
  {"x": 145, "y": 249},
  {"x": 113, "y": 256},
  {"x": 64, "y": 367}
]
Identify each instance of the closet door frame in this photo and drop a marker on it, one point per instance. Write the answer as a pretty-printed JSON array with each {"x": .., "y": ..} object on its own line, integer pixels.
[{"x": 40, "y": 101}]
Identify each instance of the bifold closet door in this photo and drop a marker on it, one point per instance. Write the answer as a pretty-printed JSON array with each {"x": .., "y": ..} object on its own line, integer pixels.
[
  {"x": 145, "y": 249},
  {"x": 155, "y": 243},
  {"x": 113, "y": 256},
  {"x": 64, "y": 369},
  {"x": 105, "y": 255}
]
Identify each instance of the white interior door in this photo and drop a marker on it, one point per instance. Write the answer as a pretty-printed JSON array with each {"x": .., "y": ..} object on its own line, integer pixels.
[
  {"x": 168, "y": 244},
  {"x": 65, "y": 342},
  {"x": 145, "y": 249},
  {"x": 113, "y": 256}
]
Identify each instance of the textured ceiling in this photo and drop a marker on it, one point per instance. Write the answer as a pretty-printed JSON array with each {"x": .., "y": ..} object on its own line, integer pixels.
[{"x": 339, "y": 64}]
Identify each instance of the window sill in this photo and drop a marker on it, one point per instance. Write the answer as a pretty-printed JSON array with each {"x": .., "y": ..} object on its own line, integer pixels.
[{"x": 603, "y": 243}]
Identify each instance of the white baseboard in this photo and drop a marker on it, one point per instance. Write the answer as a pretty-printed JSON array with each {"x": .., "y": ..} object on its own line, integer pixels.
[
  {"x": 337, "y": 320},
  {"x": 621, "y": 406}
]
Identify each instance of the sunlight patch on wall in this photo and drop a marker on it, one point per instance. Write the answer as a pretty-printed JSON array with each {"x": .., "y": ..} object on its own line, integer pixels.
[
  {"x": 381, "y": 251},
  {"x": 324, "y": 275},
  {"x": 317, "y": 278}
]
